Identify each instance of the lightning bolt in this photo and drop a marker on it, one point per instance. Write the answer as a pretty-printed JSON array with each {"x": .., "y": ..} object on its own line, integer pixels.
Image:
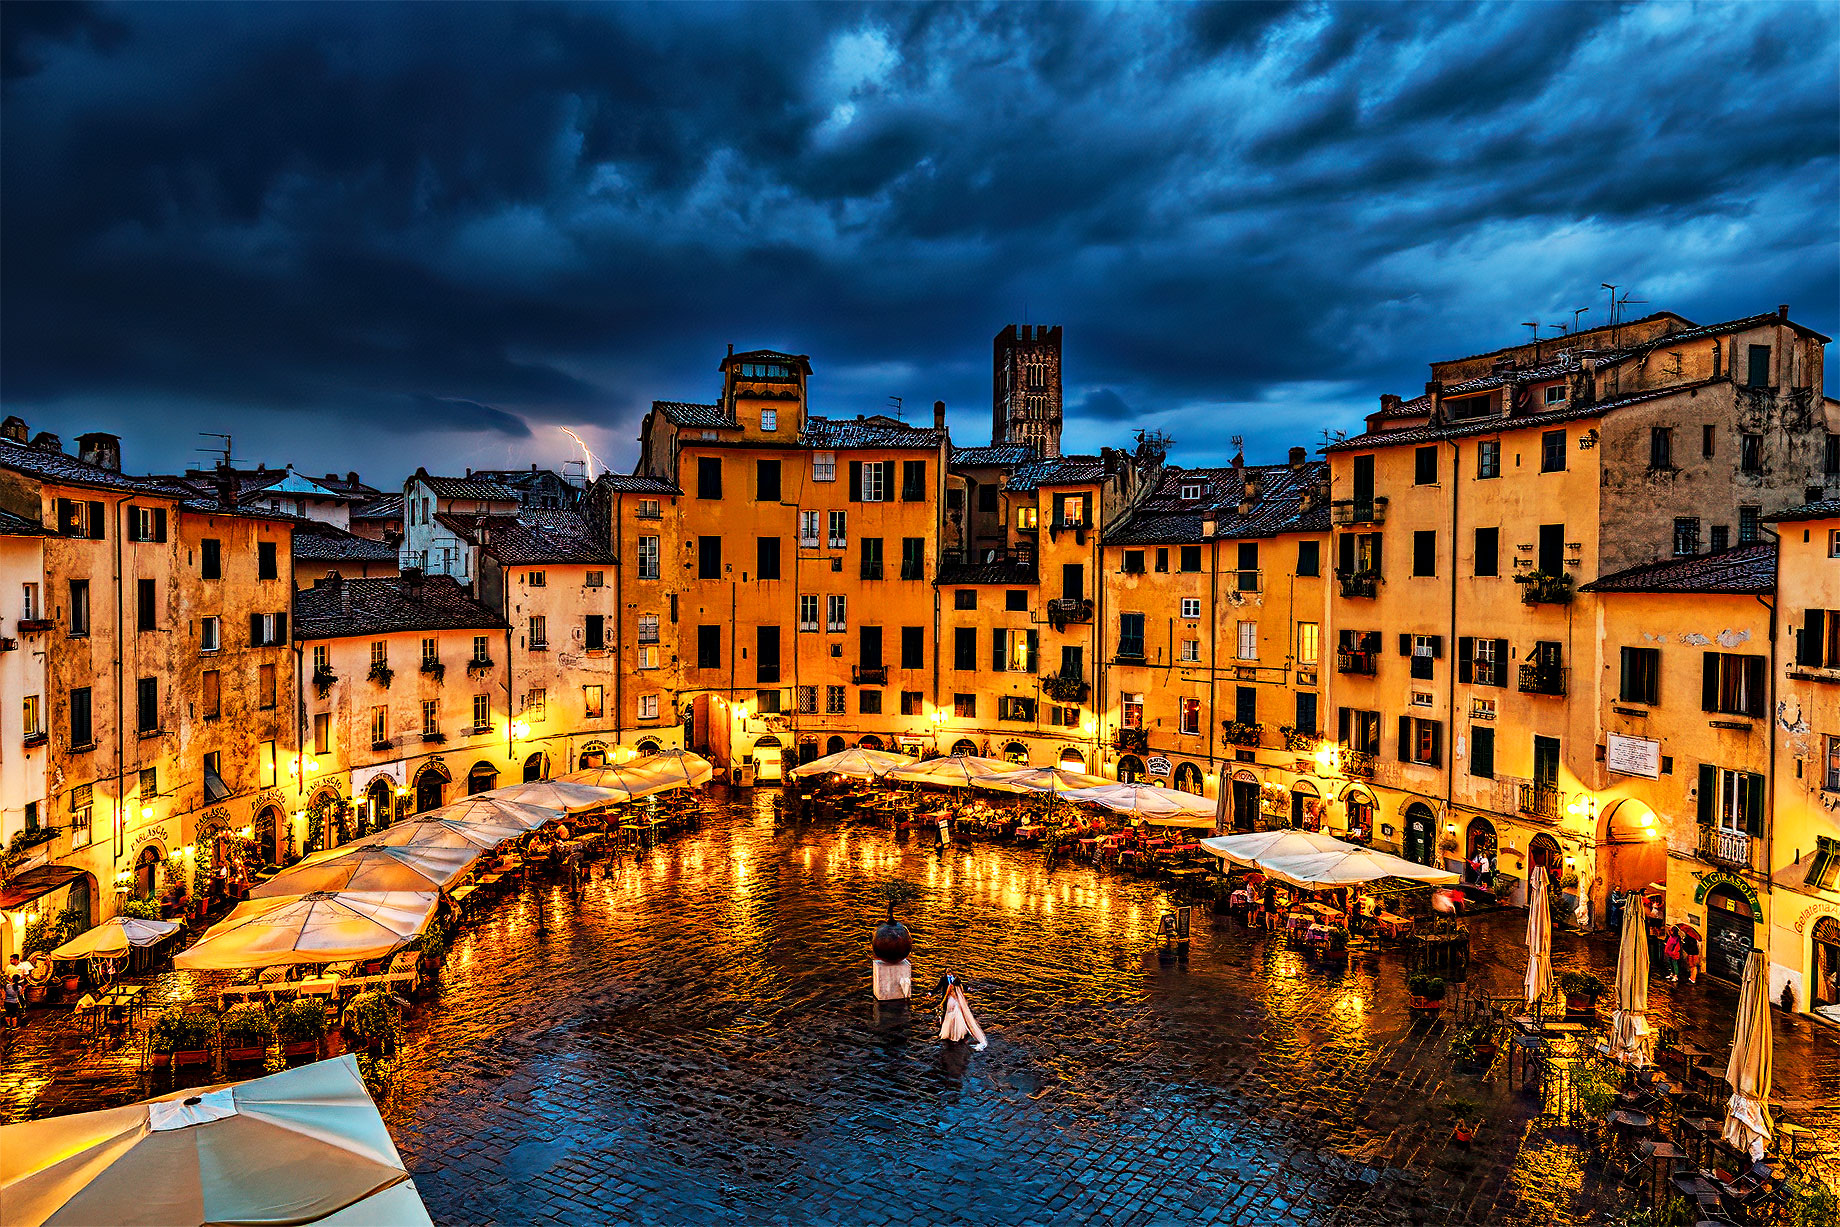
[{"x": 588, "y": 457}]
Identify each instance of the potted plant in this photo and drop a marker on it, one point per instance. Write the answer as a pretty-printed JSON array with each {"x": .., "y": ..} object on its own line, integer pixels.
[
  {"x": 248, "y": 1031},
  {"x": 1475, "y": 1044},
  {"x": 139, "y": 909},
  {"x": 370, "y": 1022},
  {"x": 1427, "y": 992},
  {"x": 182, "y": 1039},
  {"x": 323, "y": 678},
  {"x": 1581, "y": 989},
  {"x": 433, "y": 950},
  {"x": 1333, "y": 946},
  {"x": 1468, "y": 1114},
  {"x": 301, "y": 1026},
  {"x": 892, "y": 942},
  {"x": 383, "y": 675}
]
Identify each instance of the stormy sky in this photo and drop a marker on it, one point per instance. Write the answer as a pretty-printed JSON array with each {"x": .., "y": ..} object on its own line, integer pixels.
[{"x": 368, "y": 236}]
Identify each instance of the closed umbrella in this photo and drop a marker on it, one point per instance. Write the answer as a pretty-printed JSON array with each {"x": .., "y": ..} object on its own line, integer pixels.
[
  {"x": 1253, "y": 848},
  {"x": 1538, "y": 981},
  {"x": 855, "y": 763},
  {"x": 1629, "y": 1040},
  {"x": 316, "y": 928},
  {"x": 1223, "y": 794},
  {"x": 111, "y": 938},
  {"x": 1162, "y": 806},
  {"x": 300, "y": 1146},
  {"x": 493, "y": 811},
  {"x": 425, "y": 829},
  {"x": 953, "y": 771},
  {"x": 1747, "y": 1117},
  {"x": 372, "y": 868},
  {"x": 554, "y": 794}
]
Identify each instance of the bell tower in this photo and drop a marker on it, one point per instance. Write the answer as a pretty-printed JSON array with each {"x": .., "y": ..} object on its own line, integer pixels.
[{"x": 1026, "y": 387}]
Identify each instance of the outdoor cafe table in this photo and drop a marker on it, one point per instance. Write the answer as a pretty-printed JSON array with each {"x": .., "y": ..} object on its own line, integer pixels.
[
  {"x": 319, "y": 986},
  {"x": 1392, "y": 925},
  {"x": 461, "y": 894}
]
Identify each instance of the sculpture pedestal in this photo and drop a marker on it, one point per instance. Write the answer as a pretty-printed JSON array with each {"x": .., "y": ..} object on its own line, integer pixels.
[{"x": 893, "y": 981}]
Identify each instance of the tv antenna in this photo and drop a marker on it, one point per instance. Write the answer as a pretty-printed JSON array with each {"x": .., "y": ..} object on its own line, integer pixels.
[
  {"x": 1576, "y": 312},
  {"x": 894, "y": 403},
  {"x": 222, "y": 453}
]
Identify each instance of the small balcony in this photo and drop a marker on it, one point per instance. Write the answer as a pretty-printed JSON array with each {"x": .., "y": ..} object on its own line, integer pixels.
[
  {"x": 1359, "y": 585},
  {"x": 1538, "y": 588},
  {"x": 1542, "y": 679},
  {"x": 479, "y": 664},
  {"x": 1541, "y": 800},
  {"x": 1131, "y": 741},
  {"x": 1066, "y": 687},
  {"x": 26, "y": 625},
  {"x": 1366, "y": 663},
  {"x": 1732, "y": 849},
  {"x": 1241, "y": 733},
  {"x": 380, "y": 746},
  {"x": 1069, "y": 610},
  {"x": 870, "y": 675},
  {"x": 1356, "y": 764},
  {"x": 1344, "y": 512}
]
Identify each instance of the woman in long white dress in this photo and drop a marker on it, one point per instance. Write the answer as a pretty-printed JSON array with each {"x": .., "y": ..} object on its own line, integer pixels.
[{"x": 956, "y": 1019}]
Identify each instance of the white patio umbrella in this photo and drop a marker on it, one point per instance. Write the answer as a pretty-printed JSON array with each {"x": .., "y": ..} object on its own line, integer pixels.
[
  {"x": 493, "y": 811},
  {"x": 1538, "y": 981},
  {"x": 111, "y": 938},
  {"x": 669, "y": 769},
  {"x": 424, "y": 829},
  {"x": 1162, "y": 806},
  {"x": 1629, "y": 1039},
  {"x": 302, "y": 1146},
  {"x": 953, "y": 771},
  {"x": 1042, "y": 780},
  {"x": 1358, "y": 865},
  {"x": 317, "y": 928},
  {"x": 1252, "y": 848},
  {"x": 372, "y": 868},
  {"x": 1747, "y": 1116},
  {"x": 554, "y": 794},
  {"x": 854, "y": 763}
]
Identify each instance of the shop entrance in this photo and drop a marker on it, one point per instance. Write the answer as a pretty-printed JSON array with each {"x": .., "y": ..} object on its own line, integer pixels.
[
  {"x": 1731, "y": 931},
  {"x": 1421, "y": 834}
]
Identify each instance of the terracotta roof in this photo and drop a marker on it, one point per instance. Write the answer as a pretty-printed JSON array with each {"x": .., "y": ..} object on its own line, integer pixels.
[
  {"x": 876, "y": 431},
  {"x": 532, "y": 535},
  {"x": 637, "y": 483},
  {"x": 997, "y": 454},
  {"x": 1001, "y": 571},
  {"x": 687, "y": 413},
  {"x": 467, "y": 488},
  {"x": 60, "y": 469},
  {"x": 1164, "y": 517},
  {"x": 381, "y": 606},
  {"x": 1573, "y": 338},
  {"x": 1569, "y": 412},
  {"x": 800, "y": 361},
  {"x": 1747, "y": 569},
  {"x": 388, "y": 507},
  {"x": 1059, "y": 471},
  {"x": 317, "y": 542},
  {"x": 19, "y": 526},
  {"x": 1821, "y": 509}
]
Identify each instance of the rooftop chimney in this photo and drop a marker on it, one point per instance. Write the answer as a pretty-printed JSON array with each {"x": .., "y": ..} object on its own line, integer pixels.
[
  {"x": 14, "y": 428},
  {"x": 101, "y": 450},
  {"x": 410, "y": 582},
  {"x": 1389, "y": 402},
  {"x": 1298, "y": 457},
  {"x": 352, "y": 477},
  {"x": 45, "y": 441},
  {"x": 939, "y": 415},
  {"x": 1782, "y": 311},
  {"x": 225, "y": 480}
]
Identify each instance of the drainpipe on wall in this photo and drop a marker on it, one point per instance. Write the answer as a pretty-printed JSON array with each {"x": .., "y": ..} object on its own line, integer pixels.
[
  {"x": 1450, "y": 666},
  {"x": 618, "y": 553},
  {"x": 1769, "y": 805},
  {"x": 118, "y": 819}
]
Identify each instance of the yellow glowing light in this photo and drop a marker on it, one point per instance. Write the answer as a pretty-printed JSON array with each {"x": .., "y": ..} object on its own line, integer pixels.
[
  {"x": 520, "y": 729},
  {"x": 246, "y": 832},
  {"x": 741, "y": 711},
  {"x": 1646, "y": 820},
  {"x": 146, "y": 811},
  {"x": 402, "y": 790},
  {"x": 1089, "y": 726}
]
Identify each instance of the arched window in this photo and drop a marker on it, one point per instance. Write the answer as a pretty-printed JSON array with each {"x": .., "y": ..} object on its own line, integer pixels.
[
  {"x": 536, "y": 767},
  {"x": 430, "y": 788},
  {"x": 382, "y": 797},
  {"x": 648, "y": 746},
  {"x": 593, "y": 754},
  {"x": 871, "y": 742},
  {"x": 482, "y": 778},
  {"x": 1017, "y": 753},
  {"x": 836, "y": 745},
  {"x": 1072, "y": 759},
  {"x": 1130, "y": 769},
  {"x": 964, "y": 746},
  {"x": 1187, "y": 778}
]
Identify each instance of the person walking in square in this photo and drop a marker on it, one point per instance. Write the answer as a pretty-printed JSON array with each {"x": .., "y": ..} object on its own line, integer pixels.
[{"x": 956, "y": 1021}]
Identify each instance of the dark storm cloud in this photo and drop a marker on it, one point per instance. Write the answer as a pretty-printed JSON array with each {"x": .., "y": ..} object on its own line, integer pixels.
[{"x": 460, "y": 228}]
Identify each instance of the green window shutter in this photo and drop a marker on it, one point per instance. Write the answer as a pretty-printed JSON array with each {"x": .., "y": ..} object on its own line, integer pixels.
[
  {"x": 856, "y": 481},
  {"x": 998, "y": 644},
  {"x": 1808, "y": 647},
  {"x": 1708, "y": 792},
  {"x": 1405, "y": 739},
  {"x": 1466, "y": 652},
  {"x": 1709, "y": 683},
  {"x": 1034, "y": 649},
  {"x": 1753, "y": 818}
]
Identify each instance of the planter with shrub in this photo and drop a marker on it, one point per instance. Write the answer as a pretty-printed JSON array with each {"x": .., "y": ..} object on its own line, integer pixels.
[
  {"x": 182, "y": 1039},
  {"x": 248, "y": 1031},
  {"x": 1468, "y": 1114},
  {"x": 1427, "y": 992},
  {"x": 1475, "y": 1044},
  {"x": 370, "y": 1022},
  {"x": 1581, "y": 989},
  {"x": 301, "y": 1026}
]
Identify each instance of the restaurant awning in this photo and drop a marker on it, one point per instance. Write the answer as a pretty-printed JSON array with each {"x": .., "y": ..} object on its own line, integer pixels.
[
  {"x": 855, "y": 763},
  {"x": 1327, "y": 870},
  {"x": 956, "y": 770},
  {"x": 372, "y": 868},
  {"x": 305, "y": 1145},
  {"x": 1251, "y": 848},
  {"x": 35, "y": 884},
  {"x": 553, "y": 794},
  {"x": 1042, "y": 780}
]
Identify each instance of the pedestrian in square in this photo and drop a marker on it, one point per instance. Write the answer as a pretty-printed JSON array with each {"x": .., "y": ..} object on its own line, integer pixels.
[
  {"x": 1689, "y": 952},
  {"x": 1673, "y": 954},
  {"x": 15, "y": 1001}
]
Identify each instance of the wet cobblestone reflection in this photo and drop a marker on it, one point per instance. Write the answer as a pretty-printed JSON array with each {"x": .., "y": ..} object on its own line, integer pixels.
[{"x": 693, "y": 1040}]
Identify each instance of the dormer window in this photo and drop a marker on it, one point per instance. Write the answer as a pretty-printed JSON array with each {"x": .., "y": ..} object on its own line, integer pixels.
[
  {"x": 1464, "y": 407},
  {"x": 765, "y": 370},
  {"x": 769, "y": 420},
  {"x": 1191, "y": 490},
  {"x": 1555, "y": 394}
]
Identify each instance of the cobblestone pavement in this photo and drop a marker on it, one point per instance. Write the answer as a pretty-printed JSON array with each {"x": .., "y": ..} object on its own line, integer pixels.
[{"x": 692, "y": 1039}]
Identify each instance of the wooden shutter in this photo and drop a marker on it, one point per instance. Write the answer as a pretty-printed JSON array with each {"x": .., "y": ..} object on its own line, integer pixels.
[
  {"x": 856, "y": 481},
  {"x": 1033, "y": 649},
  {"x": 1341, "y": 725},
  {"x": 1345, "y": 554},
  {"x": 95, "y": 521},
  {"x": 1753, "y": 818},
  {"x": 281, "y": 635},
  {"x": 1753, "y": 691},
  {"x": 1466, "y": 653},
  {"x": 1501, "y": 662},
  {"x": 998, "y": 642},
  {"x": 1405, "y": 739},
  {"x": 159, "y": 523},
  {"x": 1405, "y": 645},
  {"x": 1708, "y": 792},
  {"x": 255, "y": 630},
  {"x": 1437, "y": 647},
  {"x": 1709, "y": 683},
  {"x": 1814, "y": 634},
  {"x": 1437, "y": 743}
]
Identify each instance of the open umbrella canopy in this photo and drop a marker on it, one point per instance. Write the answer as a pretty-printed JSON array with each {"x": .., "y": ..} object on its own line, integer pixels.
[
  {"x": 1043, "y": 780},
  {"x": 1629, "y": 1040},
  {"x": 111, "y": 938},
  {"x": 1252, "y": 848},
  {"x": 426, "y": 829},
  {"x": 855, "y": 763},
  {"x": 556, "y": 795},
  {"x": 1163, "y": 806},
  {"x": 317, "y": 928},
  {"x": 667, "y": 770},
  {"x": 1357, "y": 865},
  {"x": 954, "y": 771},
  {"x": 293, "y": 1147},
  {"x": 372, "y": 868},
  {"x": 493, "y": 811},
  {"x": 1747, "y": 1117},
  {"x": 1538, "y": 981}
]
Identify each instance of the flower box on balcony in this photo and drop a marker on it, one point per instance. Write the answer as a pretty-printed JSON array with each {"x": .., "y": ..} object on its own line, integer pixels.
[
  {"x": 1544, "y": 589},
  {"x": 1065, "y": 688},
  {"x": 1132, "y": 741},
  {"x": 1242, "y": 734},
  {"x": 323, "y": 679},
  {"x": 1298, "y": 740},
  {"x": 434, "y": 669},
  {"x": 479, "y": 664},
  {"x": 383, "y": 675},
  {"x": 1359, "y": 584}
]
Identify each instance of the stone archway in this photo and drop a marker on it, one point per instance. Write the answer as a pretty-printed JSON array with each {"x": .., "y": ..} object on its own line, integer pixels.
[
  {"x": 648, "y": 746},
  {"x": 1358, "y": 808},
  {"x": 1480, "y": 838},
  {"x": 147, "y": 872},
  {"x": 593, "y": 754},
  {"x": 1420, "y": 840},
  {"x": 870, "y": 742},
  {"x": 1187, "y": 779},
  {"x": 482, "y": 777},
  {"x": 1072, "y": 759},
  {"x": 965, "y": 746},
  {"x": 1824, "y": 968},
  {"x": 536, "y": 767},
  {"x": 380, "y": 798},
  {"x": 1130, "y": 769},
  {"x": 1630, "y": 851},
  {"x": 431, "y": 787},
  {"x": 836, "y": 745},
  {"x": 1017, "y": 753},
  {"x": 1306, "y": 806},
  {"x": 269, "y": 821}
]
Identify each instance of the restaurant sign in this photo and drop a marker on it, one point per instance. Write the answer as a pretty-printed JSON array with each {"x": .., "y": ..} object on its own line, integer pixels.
[
  {"x": 1633, "y": 756},
  {"x": 1158, "y": 765},
  {"x": 1709, "y": 882}
]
